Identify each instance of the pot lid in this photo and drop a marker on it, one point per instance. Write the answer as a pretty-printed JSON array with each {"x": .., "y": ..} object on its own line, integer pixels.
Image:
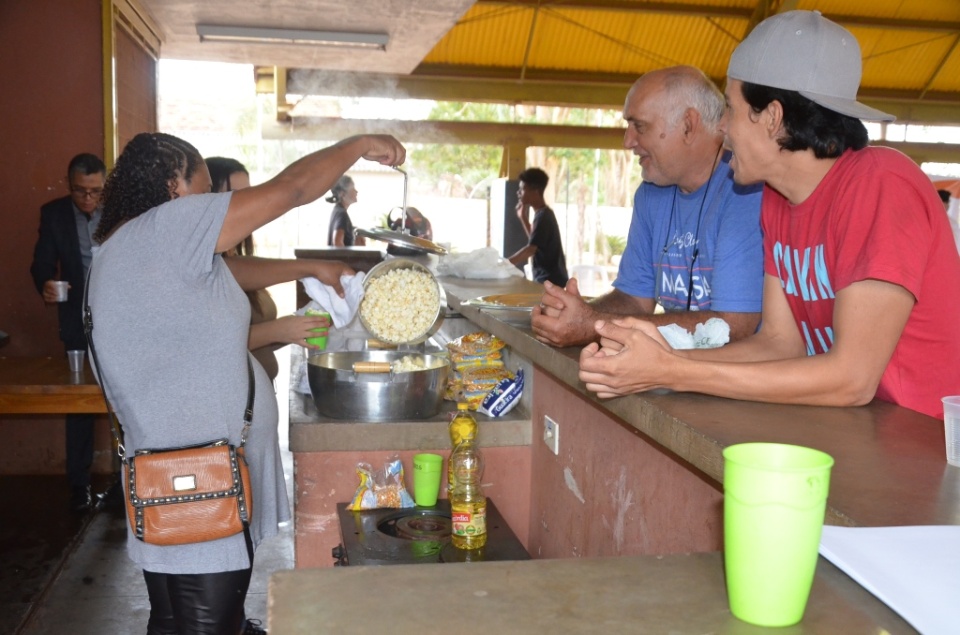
[{"x": 400, "y": 239}]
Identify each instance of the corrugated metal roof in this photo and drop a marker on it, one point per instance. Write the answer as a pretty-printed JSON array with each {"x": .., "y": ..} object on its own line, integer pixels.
[
  {"x": 568, "y": 52},
  {"x": 911, "y": 49}
]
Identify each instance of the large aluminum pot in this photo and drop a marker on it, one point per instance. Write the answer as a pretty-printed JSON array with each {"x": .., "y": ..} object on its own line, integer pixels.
[
  {"x": 402, "y": 263},
  {"x": 344, "y": 387}
]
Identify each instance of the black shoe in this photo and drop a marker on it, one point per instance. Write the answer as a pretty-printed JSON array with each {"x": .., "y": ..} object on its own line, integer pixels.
[
  {"x": 111, "y": 499},
  {"x": 80, "y": 500},
  {"x": 253, "y": 628}
]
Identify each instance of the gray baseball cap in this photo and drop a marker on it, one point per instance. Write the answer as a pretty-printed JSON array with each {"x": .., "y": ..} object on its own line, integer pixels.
[{"x": 805, "y": 52}]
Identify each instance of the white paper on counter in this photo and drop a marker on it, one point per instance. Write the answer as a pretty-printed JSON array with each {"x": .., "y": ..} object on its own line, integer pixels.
[{"x": 913, "y": 570}]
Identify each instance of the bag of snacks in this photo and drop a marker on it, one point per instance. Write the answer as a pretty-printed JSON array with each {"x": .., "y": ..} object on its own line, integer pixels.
[
  {"x": 469, "y": 361},
  {"x": 477, "y": 344},
  {"x": 471, "y": 385},
  {"x": 504, "y": 397},
  {"x": 382, "y": 488},
  {"x": 477, "y": 365}
]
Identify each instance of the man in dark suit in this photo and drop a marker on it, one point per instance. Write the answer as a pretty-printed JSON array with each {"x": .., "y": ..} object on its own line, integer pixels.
[{"x": 64, "y": 252}]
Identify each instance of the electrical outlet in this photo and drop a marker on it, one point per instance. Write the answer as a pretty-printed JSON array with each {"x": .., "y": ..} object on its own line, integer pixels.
[{"x": 551, "y": 434}]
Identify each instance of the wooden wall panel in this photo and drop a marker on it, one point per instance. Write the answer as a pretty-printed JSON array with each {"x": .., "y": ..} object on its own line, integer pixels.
[
  {"x": 52, "y": 109},
  {"x": 136, "y": 73}
]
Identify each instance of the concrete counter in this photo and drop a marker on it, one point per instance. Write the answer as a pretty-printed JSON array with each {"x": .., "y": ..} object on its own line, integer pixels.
[
  {"x": 312, "y": 432},
  {"x": 679, "y": 594},
  {"x": 635, "y": 475},
  {"x": 890, "y": 464}
]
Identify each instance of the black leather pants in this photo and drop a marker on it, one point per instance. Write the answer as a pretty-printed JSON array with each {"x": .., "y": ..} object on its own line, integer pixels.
[{"x": 198, "y": 604}]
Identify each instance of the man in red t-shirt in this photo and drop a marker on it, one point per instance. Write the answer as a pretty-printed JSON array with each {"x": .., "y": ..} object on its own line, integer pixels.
[{"x": 861, "y": 275}]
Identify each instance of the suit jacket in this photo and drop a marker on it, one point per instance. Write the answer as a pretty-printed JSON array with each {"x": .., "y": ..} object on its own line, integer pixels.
[{"x": 57, "y": 254}]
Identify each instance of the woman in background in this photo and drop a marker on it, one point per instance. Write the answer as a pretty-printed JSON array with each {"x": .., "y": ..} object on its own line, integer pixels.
[
  {"x": 417, "y": 224},
  {"x": 171, "y": 326},
  {"x": 267, "y": 332},
  {"x": 340, "y": 233}
]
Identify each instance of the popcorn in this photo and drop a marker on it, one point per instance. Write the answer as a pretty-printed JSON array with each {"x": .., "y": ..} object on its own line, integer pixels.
[
  {"x": 413, "y": 363},
  {"x": 400, "y": 305}
]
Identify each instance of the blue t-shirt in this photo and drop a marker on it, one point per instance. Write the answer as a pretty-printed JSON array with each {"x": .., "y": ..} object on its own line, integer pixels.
[{"x": 659, "y": 259}]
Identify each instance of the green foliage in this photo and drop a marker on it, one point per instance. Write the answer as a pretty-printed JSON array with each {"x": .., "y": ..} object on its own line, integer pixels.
[
  {"x": 457, "y": 169},
  {"x": 451, "y": 169},
  {"x": 471, "y": 111},
  {"x": 616, "y": 244}
]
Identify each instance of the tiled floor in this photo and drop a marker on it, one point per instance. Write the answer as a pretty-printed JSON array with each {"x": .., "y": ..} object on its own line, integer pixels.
[{"x": 90, "y": 587}]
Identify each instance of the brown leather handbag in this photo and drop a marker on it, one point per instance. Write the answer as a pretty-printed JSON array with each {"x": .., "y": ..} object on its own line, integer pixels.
[{"x": 184, "y": 495}]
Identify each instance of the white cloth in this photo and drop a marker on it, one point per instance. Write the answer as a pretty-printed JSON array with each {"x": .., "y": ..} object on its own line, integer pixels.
[
  {"x": 341, "y": 310},
  {"x": 484, "y": 263},
  {"x": 713, "y": 333}
]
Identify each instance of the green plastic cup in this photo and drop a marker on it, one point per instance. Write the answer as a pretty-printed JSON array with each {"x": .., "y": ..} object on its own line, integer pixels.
[
  {"x": 427, "y": 470},
  {"x": 320, "y": 340},
  {"x": 774, "y": 501}
]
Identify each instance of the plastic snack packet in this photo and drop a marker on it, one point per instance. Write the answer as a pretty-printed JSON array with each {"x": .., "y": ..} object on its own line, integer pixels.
[
  {"x": 504, "y": 397},
  {"x": 475, "y": 344},
  {"x": 381, "y": 488}
]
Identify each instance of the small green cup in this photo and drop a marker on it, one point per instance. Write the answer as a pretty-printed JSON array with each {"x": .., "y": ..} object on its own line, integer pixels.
[
  {"x": 427, "y": 471},
  {"x": 774, "y": 501},
  {"x": 320, "y": 340}
]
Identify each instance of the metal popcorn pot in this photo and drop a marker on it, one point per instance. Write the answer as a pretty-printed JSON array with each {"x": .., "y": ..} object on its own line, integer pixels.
[
  {"x": 361, "y": 385},
  {"x": 433, "y": 313}
]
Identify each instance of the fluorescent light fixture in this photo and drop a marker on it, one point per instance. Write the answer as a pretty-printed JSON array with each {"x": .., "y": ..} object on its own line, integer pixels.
[{"x": 259, "y": 35}]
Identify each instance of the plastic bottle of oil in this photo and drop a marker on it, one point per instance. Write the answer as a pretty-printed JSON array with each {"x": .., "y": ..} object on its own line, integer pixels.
[
  {"x": 468, "y": 505},
  {"x": 462, "y": 426}
]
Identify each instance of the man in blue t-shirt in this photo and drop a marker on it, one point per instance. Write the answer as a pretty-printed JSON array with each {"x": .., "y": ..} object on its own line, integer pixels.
[{"x": 694, "y": 246}]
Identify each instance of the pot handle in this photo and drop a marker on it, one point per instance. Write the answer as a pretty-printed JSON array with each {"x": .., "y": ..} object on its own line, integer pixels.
[{"x": 371, "y": 367}]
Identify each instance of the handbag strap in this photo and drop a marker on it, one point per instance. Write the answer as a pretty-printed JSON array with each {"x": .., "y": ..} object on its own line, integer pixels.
[{"x": 115, "y": 427}]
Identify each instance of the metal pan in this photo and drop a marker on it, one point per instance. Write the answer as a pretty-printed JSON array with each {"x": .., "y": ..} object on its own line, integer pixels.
[
  {"x": 402, "y": 240},
  {"x": 340, "y": 392}
]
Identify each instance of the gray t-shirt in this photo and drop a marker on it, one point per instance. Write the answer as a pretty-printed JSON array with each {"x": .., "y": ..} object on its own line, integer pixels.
[{"x": 170, "y": 330}]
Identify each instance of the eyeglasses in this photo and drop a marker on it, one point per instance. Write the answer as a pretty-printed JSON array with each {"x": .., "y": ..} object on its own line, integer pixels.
[{"x": 85, "y": 193}]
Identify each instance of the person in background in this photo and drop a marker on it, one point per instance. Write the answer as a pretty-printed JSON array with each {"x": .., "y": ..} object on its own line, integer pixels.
[
  {"x": 694, "y": 245},
  {"x": 63, "y": 252},
  {"x": 340, "y": 233},
  {"x": 944, "y": 198},
  {"x": 543, "y": 235},
  {"x": 171, "y": 327},
  {"x": 859, "y": 260},
  {"x": 417, "y": 224},
  {"x": 951, "y": 216},
  {"x": 268, "y": 333}
]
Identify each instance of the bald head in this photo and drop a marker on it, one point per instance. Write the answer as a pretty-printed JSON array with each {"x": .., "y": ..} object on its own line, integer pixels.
[
  {"x": 678, "y": 88},
  {"x": 673, "y": 126}
]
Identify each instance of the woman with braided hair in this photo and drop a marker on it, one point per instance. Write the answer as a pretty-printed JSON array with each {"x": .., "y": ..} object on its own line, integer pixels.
[{"x": 171, "y": 323}]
